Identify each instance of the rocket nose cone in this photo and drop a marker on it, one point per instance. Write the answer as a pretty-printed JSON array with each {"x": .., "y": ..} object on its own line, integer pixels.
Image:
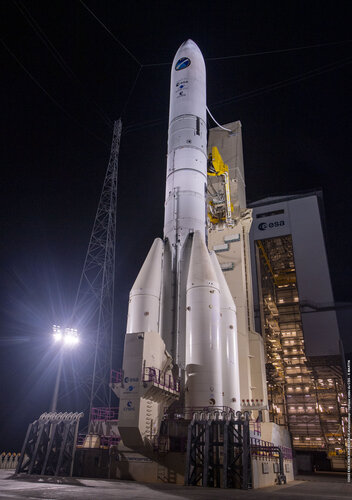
[{"x": 189, "y": 44}]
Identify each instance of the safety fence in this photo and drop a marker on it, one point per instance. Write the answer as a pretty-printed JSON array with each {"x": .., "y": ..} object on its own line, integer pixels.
[
  {"x": 162, "y": 379},
  {"x": 9, "y": 460},
  {"x": 104, "y": 413},
  {"x": 115, "y": 376},
  {"x": 255, "y": 429},
  {"x": 267, "y": 450},
  {"x": 187, "y": 412},
  {"x": 105, "y": 441}
]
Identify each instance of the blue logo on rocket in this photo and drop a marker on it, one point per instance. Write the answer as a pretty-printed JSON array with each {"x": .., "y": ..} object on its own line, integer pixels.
[{"x": 182, "y": 63}]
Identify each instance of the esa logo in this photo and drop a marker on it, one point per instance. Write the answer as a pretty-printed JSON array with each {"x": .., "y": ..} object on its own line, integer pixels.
[
  {"x": 264, "y": 225},
  {"x": 182, "y": 63},
  {"x": 130, "y": 379}
]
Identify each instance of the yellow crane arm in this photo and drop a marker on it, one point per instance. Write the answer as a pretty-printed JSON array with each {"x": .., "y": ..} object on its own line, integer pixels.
[{"x": 220, "y": 168}]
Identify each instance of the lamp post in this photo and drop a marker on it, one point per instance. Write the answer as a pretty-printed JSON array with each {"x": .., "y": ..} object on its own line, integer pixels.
[{"x": 66, "y": 338}]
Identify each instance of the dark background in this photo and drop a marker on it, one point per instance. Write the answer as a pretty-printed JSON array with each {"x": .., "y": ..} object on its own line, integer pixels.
[{"x": 65, "y": 79}]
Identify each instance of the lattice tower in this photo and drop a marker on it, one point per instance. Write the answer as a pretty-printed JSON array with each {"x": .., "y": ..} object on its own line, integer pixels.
[{"x": 94, "y": 305}]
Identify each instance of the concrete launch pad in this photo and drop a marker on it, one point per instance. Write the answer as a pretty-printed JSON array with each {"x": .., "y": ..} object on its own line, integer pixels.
[{"x": 71, "y": 488}]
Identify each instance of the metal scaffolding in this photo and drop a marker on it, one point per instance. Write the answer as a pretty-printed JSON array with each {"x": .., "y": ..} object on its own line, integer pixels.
[
  {"x": 50, "y": 444},
  {"x": 218, "y": 450},
  {"x": 95, "y": 296},
  {"x": 307, "y": 394}
]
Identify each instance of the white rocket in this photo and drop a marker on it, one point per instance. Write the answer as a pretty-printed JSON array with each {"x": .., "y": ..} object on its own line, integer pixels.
[{"x": 180, "y": 294}]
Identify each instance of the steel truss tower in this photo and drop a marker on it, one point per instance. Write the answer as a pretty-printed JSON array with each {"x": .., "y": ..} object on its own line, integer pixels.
[{"x": 95, "y": 297}]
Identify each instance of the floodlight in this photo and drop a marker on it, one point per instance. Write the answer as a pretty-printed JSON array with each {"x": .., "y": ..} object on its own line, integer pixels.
[
  {"x": 68, "y": 336},
  {"x": 57, "y": 336},
  {"x": 71, "y": 340}
]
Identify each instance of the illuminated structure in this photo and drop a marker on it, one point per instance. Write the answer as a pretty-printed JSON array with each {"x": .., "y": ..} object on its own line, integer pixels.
[
  {"x": 296, "y": 315},
  {"x": 193, "y": 376},
  {"x": 282, "y": 263},
  {"x": 229, "y": 225},
  {"x": 181, "y": 325},
  {"x": 192, "y": 389}
]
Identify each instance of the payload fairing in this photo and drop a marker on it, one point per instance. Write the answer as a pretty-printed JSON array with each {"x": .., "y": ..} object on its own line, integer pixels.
[{"x": 181, "y": 340}]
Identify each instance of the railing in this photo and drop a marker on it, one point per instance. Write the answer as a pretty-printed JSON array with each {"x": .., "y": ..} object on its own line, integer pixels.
[
  {"x": 267, "y": 450},
  {"x": 104, "y": 413},
  {"x": 115, "y": 376},
  {"x": 187, "y": 412},
  {"x": 255, "y": 428},
  {"x": 158, "y": 377},
  {"x": 105, "y": 441}
]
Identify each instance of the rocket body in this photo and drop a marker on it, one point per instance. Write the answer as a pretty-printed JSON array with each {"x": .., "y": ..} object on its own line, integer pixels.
[
  {"x": 180, "y": 292},
  {"x": 186, "y": 176},
  {"x": 185, "y": 192}
]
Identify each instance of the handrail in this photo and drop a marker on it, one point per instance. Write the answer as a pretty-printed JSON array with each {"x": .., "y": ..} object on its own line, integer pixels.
[
  {"x": 155, "y": 375},
  {"x": 104, "y": 413}
]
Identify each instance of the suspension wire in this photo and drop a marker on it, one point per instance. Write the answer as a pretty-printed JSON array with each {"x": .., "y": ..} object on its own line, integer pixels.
[
  {"x": 56, "y": 54},
  {"x": 250, "y": 54},
  {"x": 278, "y": 51},
  {"x": 142, "y": 125},
  {"x": 253, "y": 93},
  {"x": 52, "y": 99},
  {"x": 110, "y": 33},
  {"x": 131, "y": 92},
  {"x": 156, "y": 64},
  {"x": 285, "y": 83}
]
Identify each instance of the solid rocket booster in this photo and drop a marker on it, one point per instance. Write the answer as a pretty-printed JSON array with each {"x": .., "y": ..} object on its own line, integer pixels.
[{"x": 180, "y": 292}]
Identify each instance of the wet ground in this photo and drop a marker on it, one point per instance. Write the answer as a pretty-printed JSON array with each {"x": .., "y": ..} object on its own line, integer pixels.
[{"x": 327, "y": 487}]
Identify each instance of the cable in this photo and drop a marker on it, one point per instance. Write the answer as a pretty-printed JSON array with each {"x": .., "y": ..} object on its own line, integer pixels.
[
  {"x": 252, "y": 93},
  {"x": 243, "y": 96},
  {"x": 218, "y": 124},
  {"x": 156, "y": 64},
  {"x": 61, "y": 61},
  {"x": 278, "y": 51},
  {"x": 125, "y": 48},
  {"x": 253, "y": 54},
  {"x": 110, "y": 33},
  {"x": 285, "y": 83},
  {"x": 131, "y": 92},
  {"x": 142, "y": 125},
  {"x": 52, "y": 99}
]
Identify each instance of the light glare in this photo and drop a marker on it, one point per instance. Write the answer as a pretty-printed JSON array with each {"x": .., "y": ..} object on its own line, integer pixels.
[{"x": 69, "y": 337}]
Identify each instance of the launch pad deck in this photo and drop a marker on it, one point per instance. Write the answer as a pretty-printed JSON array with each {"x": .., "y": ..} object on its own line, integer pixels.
[{"x": 73, "y": 488}]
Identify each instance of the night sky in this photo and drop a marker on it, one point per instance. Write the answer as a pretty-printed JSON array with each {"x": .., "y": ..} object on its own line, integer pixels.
[{"x": 282, "y": 68}]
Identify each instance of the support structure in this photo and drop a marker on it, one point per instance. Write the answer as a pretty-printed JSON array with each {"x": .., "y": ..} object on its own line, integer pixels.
[
  {"x": 50, "y": 444},
  {"x": 218, "y": 451},
  {"x": 95, "y": 296}
]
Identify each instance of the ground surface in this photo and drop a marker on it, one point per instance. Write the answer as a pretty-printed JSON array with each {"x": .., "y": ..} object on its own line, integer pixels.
[{"x": 317, "y": 487}]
